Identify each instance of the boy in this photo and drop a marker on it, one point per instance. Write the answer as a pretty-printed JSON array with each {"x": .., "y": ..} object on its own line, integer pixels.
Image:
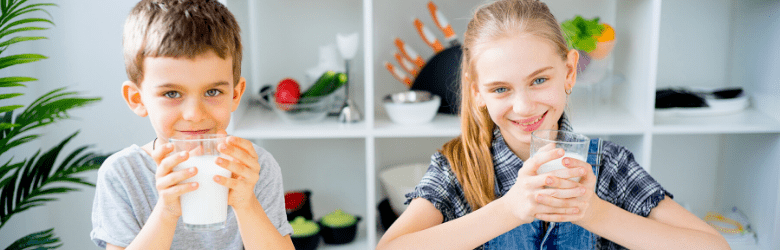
[{"x": 183, "y": 60}]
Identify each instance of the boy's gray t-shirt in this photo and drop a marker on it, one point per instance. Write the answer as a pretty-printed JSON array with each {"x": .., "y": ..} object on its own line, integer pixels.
[{"x": 125, "y": 196}]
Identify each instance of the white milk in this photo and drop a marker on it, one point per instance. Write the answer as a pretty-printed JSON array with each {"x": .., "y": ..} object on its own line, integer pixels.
[
  {"x": 207, "y": 204},
  {"x": 558, "y": 164}
]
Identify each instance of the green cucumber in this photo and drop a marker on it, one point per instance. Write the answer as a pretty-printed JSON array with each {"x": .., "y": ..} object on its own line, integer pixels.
[
  {"x": 339, "y": 81},
  {"x": 321, "y": 86}
]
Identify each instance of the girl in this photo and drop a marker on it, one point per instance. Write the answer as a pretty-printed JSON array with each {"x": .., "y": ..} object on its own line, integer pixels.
[{"x": 482, "y": 190}]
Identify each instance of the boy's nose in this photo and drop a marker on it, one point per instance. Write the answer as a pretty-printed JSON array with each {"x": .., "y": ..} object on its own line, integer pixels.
[
  {"x": 522, "y": 103},
  {"x": 193, "y": 111}
]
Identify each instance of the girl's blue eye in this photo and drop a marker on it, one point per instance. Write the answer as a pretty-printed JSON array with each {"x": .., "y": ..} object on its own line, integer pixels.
[
  {"x": 172, "y": 94},
  {"x": 213, "y": 92},
  {"x": 499, "y": 90},
  {"x": 538, "y": 81}
]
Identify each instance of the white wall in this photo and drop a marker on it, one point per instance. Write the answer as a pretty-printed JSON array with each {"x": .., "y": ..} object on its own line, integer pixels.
[
  {"x": 84, "y": 50},
  {"x": 694, "y": 42}
]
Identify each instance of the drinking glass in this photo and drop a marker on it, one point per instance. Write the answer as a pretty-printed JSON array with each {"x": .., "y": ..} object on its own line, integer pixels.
[
  {"x": 204, "y": 209},
  {"x": 575, "y": 145}
]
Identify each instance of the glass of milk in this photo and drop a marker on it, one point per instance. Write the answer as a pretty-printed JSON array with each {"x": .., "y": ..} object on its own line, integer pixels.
[
  {"x": 204, "y": 209},
  {"x": 575, "y": 145}
]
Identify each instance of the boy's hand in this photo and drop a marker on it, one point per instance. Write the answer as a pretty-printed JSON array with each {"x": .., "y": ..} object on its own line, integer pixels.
[
  {"x": 245, "y": 168},
  {"x": 167, "y": 180},
  {"x": 584, "y": 202}
]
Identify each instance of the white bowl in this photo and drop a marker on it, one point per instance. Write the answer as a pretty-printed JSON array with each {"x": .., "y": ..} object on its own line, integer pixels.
[
  {"x": 412, "y": 107},
  {"x": 399, "y": 181}
]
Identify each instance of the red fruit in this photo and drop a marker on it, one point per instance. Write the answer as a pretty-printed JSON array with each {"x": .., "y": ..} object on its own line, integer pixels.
[{"x": 287, "y": 93}]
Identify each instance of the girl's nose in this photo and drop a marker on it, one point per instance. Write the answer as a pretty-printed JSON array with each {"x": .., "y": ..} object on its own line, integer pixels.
[{"x": 522, "y": 103}]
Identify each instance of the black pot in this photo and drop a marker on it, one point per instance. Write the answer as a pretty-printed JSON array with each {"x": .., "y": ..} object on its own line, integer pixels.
[
  {"x": 303, "y": 209},
  {"x": 306, "y": 243},
  {"x": 339, "y": 235}
]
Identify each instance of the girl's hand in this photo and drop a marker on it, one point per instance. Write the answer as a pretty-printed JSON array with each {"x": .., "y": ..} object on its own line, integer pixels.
[
  {"x": 523, "y": 198},
  {"x": 244, "y": 165},
  {"x": 583, "y": 203},
  {"x": 167, "y": 180}
]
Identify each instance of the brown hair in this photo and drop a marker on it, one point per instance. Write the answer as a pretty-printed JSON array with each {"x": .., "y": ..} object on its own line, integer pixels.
[
  {"x": 469, "y": 154},
  {"x": 179, "y": 28}
]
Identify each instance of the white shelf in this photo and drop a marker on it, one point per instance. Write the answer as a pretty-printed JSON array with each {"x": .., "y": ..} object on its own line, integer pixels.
[
  {"x": 747, "y": 121},
  {"x": 443, "y": 125},
  {"x": 260, "y": 123}
]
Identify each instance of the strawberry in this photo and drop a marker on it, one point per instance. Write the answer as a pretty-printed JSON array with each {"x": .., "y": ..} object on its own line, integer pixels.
[{"x": 287, "y": 93}]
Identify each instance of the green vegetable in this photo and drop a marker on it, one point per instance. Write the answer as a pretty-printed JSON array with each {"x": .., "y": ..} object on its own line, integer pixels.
[
  {"x": 581, "y": 33},
  {"x": 339, "y": 218},
  {"x": 339, "y": 80},
  {"x": 327, "y": 83},
  {"x": 304, "y": 228},
  {"x": 321, "y": 86}
]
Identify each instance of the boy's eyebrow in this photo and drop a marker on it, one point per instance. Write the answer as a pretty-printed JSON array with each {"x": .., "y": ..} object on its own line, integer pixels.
[{"x": 177, "y": 86}]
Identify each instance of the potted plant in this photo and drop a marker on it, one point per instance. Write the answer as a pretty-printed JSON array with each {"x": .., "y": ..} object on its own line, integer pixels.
[{"x": 30, "y": 182}]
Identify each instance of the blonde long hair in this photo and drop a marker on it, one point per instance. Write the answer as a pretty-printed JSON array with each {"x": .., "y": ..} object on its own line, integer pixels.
[{"x": 469, "y": 154}]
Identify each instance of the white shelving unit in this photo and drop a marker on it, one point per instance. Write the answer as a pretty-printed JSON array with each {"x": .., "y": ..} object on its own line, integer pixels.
[{"x": 709, "y": 163}]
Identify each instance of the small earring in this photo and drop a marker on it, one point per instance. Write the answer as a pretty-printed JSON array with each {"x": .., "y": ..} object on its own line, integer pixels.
[{"x": 568, "y": 91}]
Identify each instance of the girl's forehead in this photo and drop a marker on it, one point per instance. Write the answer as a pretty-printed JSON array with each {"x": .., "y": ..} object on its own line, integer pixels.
[{"x": 513, "y": 56}]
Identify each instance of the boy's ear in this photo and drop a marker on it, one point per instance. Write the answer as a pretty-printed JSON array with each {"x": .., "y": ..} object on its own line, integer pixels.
[
  {"x": 132, "y": 94},
  {"x": 238, "y": 92},
  {"x": 572, "y": 58}
]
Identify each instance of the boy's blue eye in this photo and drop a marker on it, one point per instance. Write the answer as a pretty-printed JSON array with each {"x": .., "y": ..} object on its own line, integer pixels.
[
  {"x": 213, "y": 92},
  {"x": 172, "y": 94},
  {"x": 499, "y": 90},
  {"x": 538, "y": 81}
]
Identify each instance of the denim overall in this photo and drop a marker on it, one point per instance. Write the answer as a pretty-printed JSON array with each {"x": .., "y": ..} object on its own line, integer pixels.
[{"x": 561, "y": 235}]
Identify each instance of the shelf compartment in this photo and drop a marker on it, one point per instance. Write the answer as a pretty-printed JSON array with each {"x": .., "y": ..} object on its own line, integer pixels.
[
  {"x": 258, "y": 123},
  {"x": 443, "y": 125},
  {"x": 745, "y": 122},
  {"x": 606, "y": 120}
]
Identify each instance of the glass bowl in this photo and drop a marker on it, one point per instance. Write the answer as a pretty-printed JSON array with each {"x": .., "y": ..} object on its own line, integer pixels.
[{"x": 307, "y": 110}]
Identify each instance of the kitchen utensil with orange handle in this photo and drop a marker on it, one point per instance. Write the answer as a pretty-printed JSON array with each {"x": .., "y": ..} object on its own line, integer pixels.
[
  {"x": 406, "y": 64},
  {"x": 443, "y": 24},
  {"x": 409, "y": 53},
  {"x": 428, "y": 36},
  {"x": 398, "y": 74}
]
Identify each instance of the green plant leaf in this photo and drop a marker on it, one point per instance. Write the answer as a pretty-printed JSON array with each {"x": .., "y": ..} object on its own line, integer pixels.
[
  {"x": 8, "y": 32},
  {"x": 45, "y": 110},
  {"x": 19, "y": 59},
  {"x": 4, "y": 109},
  {"x": 24, "y": 21},
  {"x": 15, "y": 81},
  {"x": 11, "y": 144},
  {"x": 20, "y": 39},
  {"x": 38, "y": 240},
  {"x": 4, "y": 126},
  {"x": 9, "y": 96},
  {"x": 33, "y": 182}
]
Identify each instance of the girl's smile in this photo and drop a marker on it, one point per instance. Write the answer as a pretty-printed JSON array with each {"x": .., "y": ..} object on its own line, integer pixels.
[{"x": 530, "y": 124}]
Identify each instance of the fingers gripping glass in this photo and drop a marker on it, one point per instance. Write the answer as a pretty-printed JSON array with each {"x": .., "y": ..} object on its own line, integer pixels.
[{"x": 575, "y": 145}]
